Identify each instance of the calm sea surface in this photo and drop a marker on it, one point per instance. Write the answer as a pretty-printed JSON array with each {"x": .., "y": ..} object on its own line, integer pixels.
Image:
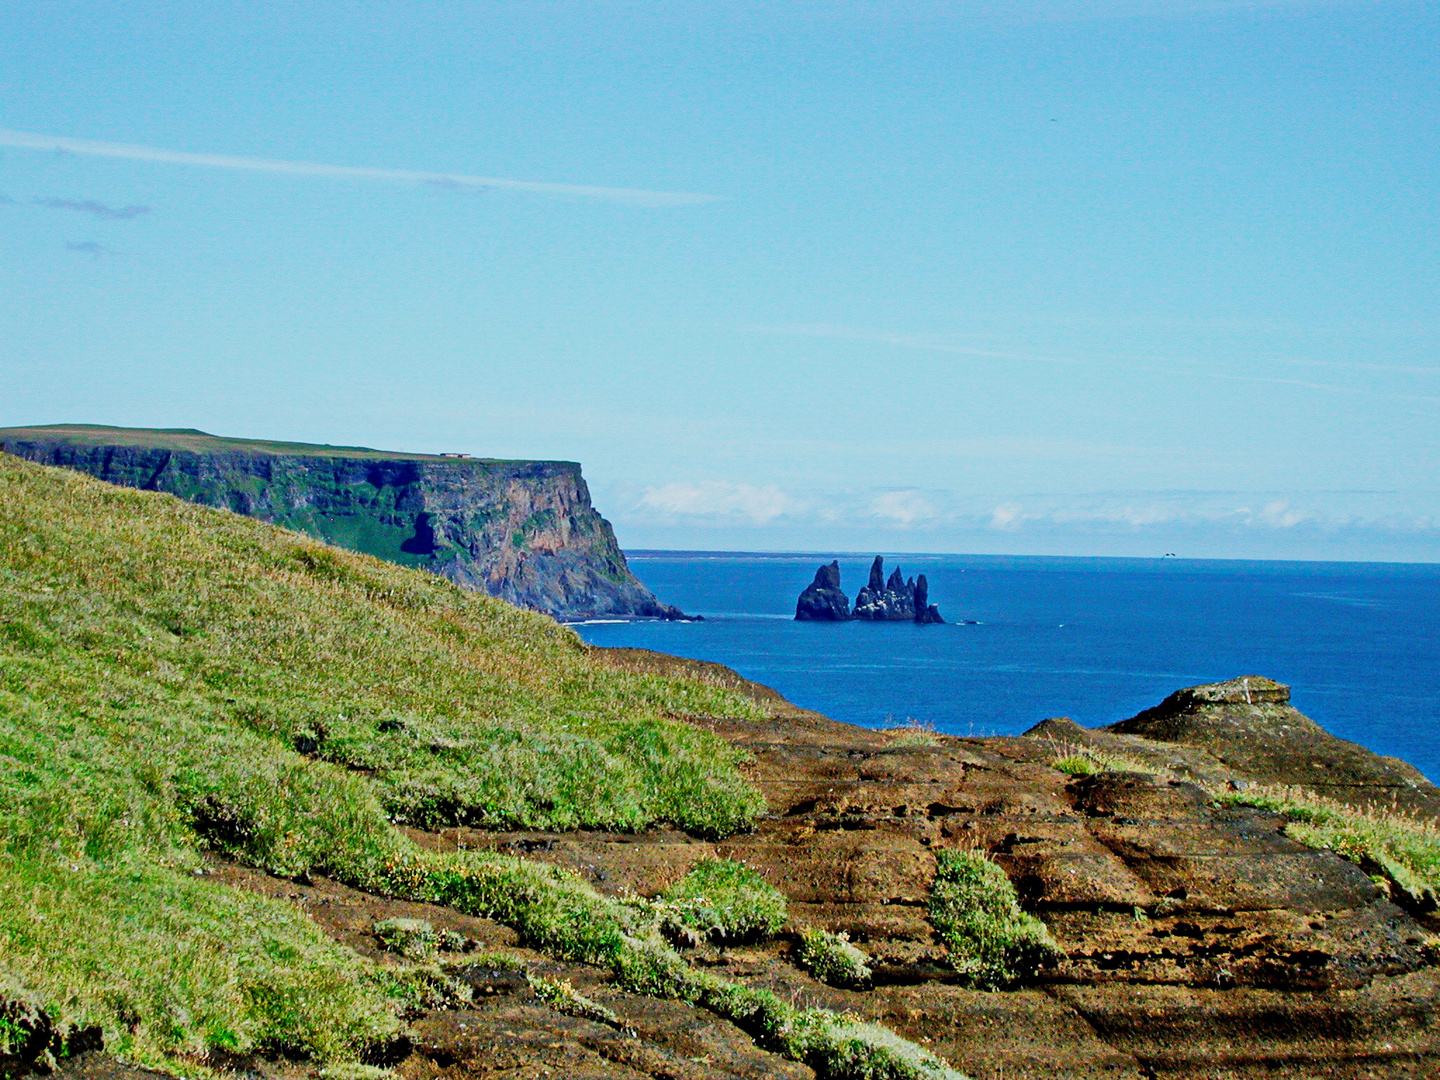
[{"x": 1094, "y": 639}]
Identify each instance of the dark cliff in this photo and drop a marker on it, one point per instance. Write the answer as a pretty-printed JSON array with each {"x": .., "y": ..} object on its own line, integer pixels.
[{"x": 524, "y": 531}]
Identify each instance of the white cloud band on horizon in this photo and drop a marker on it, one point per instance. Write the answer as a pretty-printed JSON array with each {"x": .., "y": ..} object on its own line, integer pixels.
[
  {"x": 22, "y": 140},
  {"x": 722, "y": 504},
  {"x": 719, "y": 499}
]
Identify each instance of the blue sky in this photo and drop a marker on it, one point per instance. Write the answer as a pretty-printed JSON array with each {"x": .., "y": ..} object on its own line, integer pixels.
[{"x": 1081, "y": 276}]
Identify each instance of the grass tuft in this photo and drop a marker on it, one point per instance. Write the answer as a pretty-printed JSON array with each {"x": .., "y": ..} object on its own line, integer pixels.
[
  {"x": 413, "y": 939},
  {"x": 976, "y": 911},
  {"x": 354, "y": 1071},
  {"x": 912, "y": 732},
  {"x": 559, "y": 995},
  {"x": 726, "y": 901},
  {"x": 1090, "y": 761},
  {"x": 832, "y": 959}
]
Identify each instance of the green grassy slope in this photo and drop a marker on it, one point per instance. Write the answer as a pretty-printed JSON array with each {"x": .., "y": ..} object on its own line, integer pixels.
[
  {"x": 174, "y": 677},
  {"x": 200, "y": 442}
]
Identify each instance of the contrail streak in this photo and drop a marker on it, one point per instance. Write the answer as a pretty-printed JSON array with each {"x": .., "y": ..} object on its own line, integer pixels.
[{"x": 632, "y": 196}]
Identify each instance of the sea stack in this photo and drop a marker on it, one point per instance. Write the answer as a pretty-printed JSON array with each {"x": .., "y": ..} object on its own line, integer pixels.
[
  {"x": 823, "y": 600},
  {"x": 925, "y": 612},
  {"x": 895, "y": 600}
]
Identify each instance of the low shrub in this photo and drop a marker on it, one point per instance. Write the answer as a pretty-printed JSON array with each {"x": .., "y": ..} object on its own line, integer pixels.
[
  {"x": 974, "y": 908},
  {"x": 726, "y": 901},
  {"x": 832, "y": 959}
]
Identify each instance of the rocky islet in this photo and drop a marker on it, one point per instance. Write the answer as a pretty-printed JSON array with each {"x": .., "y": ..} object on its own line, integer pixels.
[{"x": 895, "y": 600}]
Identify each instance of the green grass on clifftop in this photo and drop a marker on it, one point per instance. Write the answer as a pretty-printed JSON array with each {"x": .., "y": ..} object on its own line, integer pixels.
[
  {"x": 202, "y": 442},
  {"x": 174, "y": 677}
]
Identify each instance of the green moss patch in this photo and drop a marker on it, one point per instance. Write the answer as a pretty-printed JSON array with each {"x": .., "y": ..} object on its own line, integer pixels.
[
  {"x": 726, "y": 901},
  {"x": 832, "y": 959},
  {"x": 974, "y": 908}
]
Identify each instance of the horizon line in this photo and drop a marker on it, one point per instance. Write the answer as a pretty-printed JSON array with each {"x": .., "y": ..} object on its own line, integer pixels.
[{"x": 641, "y": 553}]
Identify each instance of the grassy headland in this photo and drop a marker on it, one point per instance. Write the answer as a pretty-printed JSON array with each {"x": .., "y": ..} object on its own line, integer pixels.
[{"x": 174, "y": 677}]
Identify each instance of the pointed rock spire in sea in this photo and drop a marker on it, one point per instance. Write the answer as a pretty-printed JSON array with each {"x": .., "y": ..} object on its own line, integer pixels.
[
  {"x": 822, "y": 600},
  {"x": 895, "y": 600}
]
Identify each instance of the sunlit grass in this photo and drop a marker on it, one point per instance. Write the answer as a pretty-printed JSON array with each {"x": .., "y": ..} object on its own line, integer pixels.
[
  {"x": 1388, "y": 843},
  {"x": 1074, "y": 760},
  {"x": 175, "y": 678}
]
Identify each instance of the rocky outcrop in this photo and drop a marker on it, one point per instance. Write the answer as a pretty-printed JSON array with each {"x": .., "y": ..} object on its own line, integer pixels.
[
  {"x": 1200, "y": 941},
  {"x": 1248, "y": 728},
  {"x": 896, "y": 600},
  {"x": 822, "y": 600},
  {"x": 524, "y": 531}
]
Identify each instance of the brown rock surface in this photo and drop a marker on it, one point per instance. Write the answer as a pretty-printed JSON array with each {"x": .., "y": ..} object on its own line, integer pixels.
[
  {"x": 1245, "y": 730},
  {"x": 1199, "y": 941}
]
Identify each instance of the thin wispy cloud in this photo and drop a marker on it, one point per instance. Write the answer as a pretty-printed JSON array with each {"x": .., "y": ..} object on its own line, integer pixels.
[
  {"x": 85, "y": 247},
  {"x": 22, "y": 140},
  {"x": 938, "y": 343},
  {"x": 99, "y": 209},
  {"x": 1363, "y": 365},
  {"x": 1066, "y": 11},
  {"x": 925, "y": 342}
]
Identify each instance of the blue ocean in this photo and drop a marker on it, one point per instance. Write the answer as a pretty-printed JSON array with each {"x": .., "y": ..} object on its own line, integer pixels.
[{"x": 1093, "y": 639}]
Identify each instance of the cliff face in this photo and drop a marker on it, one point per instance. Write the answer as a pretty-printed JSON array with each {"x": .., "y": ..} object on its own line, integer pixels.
[{"x": 524, "y": 531}]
